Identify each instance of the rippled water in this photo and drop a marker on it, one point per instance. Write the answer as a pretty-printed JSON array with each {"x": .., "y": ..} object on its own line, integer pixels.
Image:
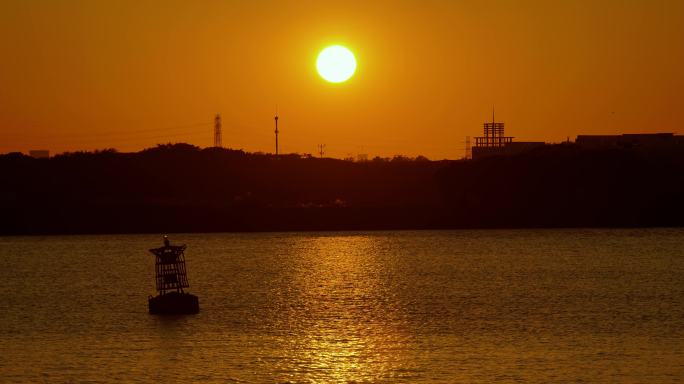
[{"x": 434, "y": 306}]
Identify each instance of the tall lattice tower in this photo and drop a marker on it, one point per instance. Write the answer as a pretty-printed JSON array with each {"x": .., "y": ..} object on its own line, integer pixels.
[{"x": 217, "y": 131}]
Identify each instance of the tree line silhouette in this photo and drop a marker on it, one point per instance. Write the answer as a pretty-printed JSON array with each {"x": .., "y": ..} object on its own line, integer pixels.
[{"x": 182, "y": 188}]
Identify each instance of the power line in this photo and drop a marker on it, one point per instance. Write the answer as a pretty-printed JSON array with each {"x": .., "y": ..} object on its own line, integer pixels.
[{"x": 126, "y": 133}]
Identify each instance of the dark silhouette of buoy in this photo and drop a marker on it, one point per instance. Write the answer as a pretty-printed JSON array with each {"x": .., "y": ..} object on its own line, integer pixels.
[{"x": 171, "y": 280}]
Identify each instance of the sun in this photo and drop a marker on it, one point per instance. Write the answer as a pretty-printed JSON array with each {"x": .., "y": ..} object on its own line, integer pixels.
[{"x": 336, "y": 64}]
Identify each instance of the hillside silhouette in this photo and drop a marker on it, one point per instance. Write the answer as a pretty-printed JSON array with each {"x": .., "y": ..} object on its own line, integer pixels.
[{"x": 182, "y": 188}]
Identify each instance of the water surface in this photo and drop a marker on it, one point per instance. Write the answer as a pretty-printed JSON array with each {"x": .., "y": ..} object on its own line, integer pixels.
[{"x": 599, "y": 306}]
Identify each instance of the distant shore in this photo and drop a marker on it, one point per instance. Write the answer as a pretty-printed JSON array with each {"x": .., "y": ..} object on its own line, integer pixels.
[{"x": 181, "y": 188}]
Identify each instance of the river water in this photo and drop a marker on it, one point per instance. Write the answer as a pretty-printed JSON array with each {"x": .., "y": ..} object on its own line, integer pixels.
[{"x": 595, "y": 306}]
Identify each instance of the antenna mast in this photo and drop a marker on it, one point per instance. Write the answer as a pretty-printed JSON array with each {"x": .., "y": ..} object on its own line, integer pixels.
[
  {"x": 276, "y": 130},
  {"x": 217, "y": 131},
  {"x": 321, "y": 147}
]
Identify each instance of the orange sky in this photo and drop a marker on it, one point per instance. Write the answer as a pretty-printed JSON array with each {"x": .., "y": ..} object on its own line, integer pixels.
[{"x": 81, "y": 74}]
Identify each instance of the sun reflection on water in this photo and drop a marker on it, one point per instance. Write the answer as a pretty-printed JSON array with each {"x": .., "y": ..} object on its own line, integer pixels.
[{"x": 342, "y": 328}]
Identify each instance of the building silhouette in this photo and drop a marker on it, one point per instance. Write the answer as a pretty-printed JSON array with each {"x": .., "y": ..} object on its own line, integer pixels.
[
  {"x": 631, "y": 140},
  {"x": 494, "y": 142}
]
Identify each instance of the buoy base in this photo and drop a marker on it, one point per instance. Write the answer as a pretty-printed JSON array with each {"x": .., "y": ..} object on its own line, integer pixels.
[{"x": 173, "y": 303}]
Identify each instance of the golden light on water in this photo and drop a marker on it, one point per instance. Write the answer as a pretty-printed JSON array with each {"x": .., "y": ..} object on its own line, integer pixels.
[
  {"x": 336, "y": 64},
  {"x": 342, "y": 288}
]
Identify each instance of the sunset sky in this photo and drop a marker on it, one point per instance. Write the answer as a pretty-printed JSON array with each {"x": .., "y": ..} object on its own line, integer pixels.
[{"x": 83, "y": 75}]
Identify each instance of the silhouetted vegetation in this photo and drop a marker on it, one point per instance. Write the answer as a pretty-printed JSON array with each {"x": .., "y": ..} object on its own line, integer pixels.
[{"x": 179, "y": 187}]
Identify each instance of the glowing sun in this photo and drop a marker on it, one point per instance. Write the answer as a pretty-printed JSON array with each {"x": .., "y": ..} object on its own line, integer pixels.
[{"x": 336, "y": 64}]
